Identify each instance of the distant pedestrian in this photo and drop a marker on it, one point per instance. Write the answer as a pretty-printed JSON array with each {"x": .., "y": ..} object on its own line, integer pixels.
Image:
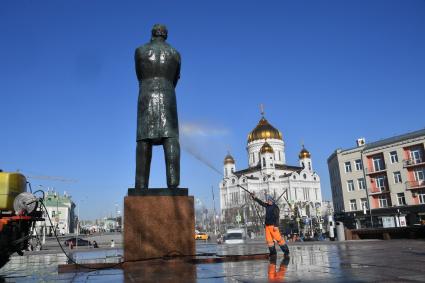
[
  {"x": 272, "y": 225},
  {"x": 112, "y": 244},
  {"x": 95, "y": 245}
]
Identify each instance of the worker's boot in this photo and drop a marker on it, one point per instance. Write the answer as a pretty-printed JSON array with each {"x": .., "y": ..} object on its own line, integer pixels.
[
  {"x": 272, "y": 251},
  {"x": 285, "y": 250}
]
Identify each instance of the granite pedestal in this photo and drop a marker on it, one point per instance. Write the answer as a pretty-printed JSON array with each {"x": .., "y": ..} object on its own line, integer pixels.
[{"x": 158, "y": 223}]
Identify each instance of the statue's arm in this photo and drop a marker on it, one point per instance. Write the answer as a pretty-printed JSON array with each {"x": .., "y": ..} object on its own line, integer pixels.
[
  {"x": 137, "y": 57},
  {"x": 177, "y": 76}
]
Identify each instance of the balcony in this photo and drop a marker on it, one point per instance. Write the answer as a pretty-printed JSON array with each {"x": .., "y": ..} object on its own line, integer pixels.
[
  {"x": 378, "y": 191},
  {"x": 412, "y": 185},
  {"x": 370, "y": 171},
  {"x": 413, "y": 162}
]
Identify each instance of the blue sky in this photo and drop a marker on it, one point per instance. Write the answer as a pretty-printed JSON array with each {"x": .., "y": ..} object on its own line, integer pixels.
[{"x": 327, "y": 73}]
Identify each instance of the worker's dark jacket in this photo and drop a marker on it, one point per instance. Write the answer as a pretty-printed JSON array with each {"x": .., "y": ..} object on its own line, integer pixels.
[{"x": 272, "y": 212}]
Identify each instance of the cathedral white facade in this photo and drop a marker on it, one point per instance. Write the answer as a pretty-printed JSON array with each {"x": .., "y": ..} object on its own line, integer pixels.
[{"x": 297, "y": 186}]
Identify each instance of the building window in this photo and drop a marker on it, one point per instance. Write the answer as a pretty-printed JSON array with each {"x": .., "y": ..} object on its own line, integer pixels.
[
  {"x": 359, "y": 165},
  {"x": 393, "y": 157},
  {"x": 233, "y": 181},
  {"x": 363, "y": 202},
  {"x": 347, "y": 166},
  {"x": 421, "y": 196},
  {"x": 380, "y": 183},
  {"x": 415, "y": 155},
  {"x": 378, "y": 163},
  {"x": 353, "y": 205},
  {"x": 383, "y": 202},
  {"x": 361, "y": 183},
  {"x": 305, "y": 176},
  {"x": 401, "y": 199},
  {"x": 419, "y": 174},
  {"x": 233, "y": 170},
  {"x": 397, "y": 177},
  {"x": 295, "y": 177},
  {"x": 350, "y": 185}
]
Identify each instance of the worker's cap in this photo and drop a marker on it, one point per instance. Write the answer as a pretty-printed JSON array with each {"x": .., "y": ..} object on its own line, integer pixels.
[{"x": 269, "y": 198}]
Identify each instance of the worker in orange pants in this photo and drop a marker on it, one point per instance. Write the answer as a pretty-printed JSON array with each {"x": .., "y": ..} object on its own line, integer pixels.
[{"x": 272, "y": 225}]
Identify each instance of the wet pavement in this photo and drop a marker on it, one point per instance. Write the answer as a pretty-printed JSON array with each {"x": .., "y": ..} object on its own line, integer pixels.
[{"x": 352, "y": 261}]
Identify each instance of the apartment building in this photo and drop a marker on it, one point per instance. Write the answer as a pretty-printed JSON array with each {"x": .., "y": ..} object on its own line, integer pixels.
[{"x": 381, "y": 183}]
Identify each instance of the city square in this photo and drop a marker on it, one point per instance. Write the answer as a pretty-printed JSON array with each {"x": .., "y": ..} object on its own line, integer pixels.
[{"x": 212, "y": 142}]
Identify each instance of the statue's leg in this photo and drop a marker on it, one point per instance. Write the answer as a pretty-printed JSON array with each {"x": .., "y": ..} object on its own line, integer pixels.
[
  {"x": 143, "y": 164},
  {"x": 172, "y": 162}
]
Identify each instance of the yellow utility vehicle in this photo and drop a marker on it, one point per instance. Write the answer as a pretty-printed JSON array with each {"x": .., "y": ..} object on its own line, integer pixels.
[{"x": 18, "y": 214}]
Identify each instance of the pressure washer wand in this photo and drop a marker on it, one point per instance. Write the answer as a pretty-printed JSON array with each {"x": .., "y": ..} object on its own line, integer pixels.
[{"x": 244, "y": 189}]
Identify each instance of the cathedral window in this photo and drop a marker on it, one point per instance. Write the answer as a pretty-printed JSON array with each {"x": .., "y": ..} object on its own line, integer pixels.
[
  {"x": 309, "y": 166},
  {"x": 233, "y": 181},
  {"x": 264, "y": 162},
  {"x": 305, "y": 176},
  {"x": 295, "y": 177}
]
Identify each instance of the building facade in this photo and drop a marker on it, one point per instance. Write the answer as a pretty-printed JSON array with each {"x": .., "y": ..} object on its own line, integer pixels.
[
  {"x": 295, "y": 187},
  {"x": 61, "y": 211},
  {"x": 380, "y": 184}
]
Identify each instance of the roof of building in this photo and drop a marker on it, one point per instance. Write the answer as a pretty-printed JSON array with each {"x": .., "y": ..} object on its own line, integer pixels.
[
  {"x": 229, "y": 159},
  {"x": 395, "y": 139},
  {"x": 383, "y": 142},
  {"x": 264, "y": 130},
  {"x": 304, "y": 153}
]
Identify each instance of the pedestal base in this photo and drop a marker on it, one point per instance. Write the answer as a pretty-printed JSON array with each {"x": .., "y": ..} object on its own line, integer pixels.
[{"x": 157, "y": 226}]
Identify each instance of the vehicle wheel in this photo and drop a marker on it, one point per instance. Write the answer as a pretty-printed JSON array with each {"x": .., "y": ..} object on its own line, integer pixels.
[{"x": 3, "y": 260}]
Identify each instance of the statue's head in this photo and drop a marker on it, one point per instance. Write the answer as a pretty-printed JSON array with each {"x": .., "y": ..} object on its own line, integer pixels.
[{"x": 159, "y": 30}]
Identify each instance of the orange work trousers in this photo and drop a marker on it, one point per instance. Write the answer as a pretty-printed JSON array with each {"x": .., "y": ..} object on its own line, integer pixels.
[{"x": 271, "y": 235}]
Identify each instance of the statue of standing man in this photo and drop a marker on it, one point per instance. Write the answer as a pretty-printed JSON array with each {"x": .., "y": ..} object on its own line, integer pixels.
[{"x": 158, "y": 70}]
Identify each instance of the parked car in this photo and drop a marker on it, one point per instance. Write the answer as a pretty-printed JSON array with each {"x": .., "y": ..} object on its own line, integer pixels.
[
  {"x": 201, "y": 236},
  {"x": 77, "y": 242},
  {"x": 234, "y": 236}
]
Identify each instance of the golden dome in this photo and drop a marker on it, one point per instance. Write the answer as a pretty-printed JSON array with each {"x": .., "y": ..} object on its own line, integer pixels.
[
  {"x": 266, "y": 148},
  {"x": 264, "y": 131},
  {"x": 229, "y": 159},
  {"x": 304, "y": 153}
]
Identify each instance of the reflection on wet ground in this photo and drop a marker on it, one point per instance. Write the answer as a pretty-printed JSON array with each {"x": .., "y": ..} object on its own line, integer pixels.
[{"x": 358, "y": 261}]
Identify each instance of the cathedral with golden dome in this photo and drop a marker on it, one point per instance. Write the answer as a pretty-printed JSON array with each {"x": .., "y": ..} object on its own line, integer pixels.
[{"x": 268, "y": 174}]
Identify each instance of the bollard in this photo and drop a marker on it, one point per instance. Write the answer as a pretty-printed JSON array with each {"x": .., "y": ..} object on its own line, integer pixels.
[{"x": 340, "y": 231}]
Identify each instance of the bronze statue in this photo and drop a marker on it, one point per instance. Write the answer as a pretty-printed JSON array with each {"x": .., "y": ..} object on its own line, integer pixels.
[{"x": 158, "y": 70}]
